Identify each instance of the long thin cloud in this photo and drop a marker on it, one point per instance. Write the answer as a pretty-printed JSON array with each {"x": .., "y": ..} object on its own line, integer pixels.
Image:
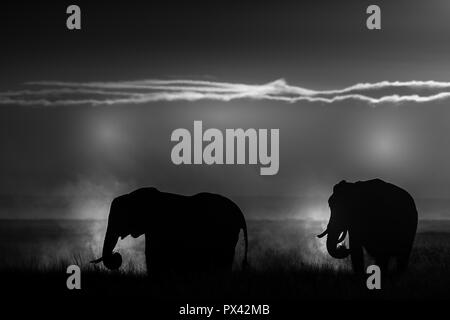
[{"x": 59, "y": 93}]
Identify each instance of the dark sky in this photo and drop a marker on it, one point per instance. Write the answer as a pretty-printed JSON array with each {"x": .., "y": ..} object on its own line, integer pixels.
[{"x": 68, "y": 160}]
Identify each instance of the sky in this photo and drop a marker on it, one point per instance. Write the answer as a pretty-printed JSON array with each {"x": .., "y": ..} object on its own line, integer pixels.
[{"x": 87, "y": 115}]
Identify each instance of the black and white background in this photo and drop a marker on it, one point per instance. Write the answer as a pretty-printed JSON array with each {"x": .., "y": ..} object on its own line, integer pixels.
[{"x": 87, "y": 115}]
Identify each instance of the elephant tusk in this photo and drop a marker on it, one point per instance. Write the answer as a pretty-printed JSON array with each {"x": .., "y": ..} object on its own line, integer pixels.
[
  {"x": 97, "y": 260},
  {"x": 342, "y": 236},
  {"x": 323, "y": 234}
]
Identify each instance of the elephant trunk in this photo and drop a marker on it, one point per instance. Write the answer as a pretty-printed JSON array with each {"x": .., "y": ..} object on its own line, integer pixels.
[
  {"x": 110, "y": 242},
  {"x": 323, "y": 234},
  {"x": 334, "y": 249},
  {"x": 111, "y": 260}
]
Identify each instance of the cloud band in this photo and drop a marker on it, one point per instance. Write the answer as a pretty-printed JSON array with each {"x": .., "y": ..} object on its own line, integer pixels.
[{"x": 57, "y": 93}]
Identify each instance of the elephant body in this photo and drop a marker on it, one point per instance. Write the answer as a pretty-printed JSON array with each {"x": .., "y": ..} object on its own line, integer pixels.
[
  {"x": 182, "y": 233},
  {"x": 378, "y": 217}
]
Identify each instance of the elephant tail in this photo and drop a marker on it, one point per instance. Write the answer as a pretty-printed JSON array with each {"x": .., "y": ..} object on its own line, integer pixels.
[{"x": 244, "y": 229}]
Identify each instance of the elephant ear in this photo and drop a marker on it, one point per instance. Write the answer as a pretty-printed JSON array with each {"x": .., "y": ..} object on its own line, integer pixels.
[
  {"x": 135, "y": 208},
  {"x": 340, "y": 187},
  {"x": 342, "y": 194}
]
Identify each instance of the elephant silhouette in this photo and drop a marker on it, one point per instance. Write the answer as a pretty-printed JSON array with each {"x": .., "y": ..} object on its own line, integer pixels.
[
  {"x": 378, "y": 216},
  {"x": 182, "y": 233}
]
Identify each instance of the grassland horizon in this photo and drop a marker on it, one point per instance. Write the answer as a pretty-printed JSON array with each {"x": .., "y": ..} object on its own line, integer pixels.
[{"x": 287, "y": 262}]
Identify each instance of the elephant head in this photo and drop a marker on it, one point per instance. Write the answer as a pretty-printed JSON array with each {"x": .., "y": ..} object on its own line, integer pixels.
[
  {"x": 340, "y": 220},
  {"x": 122, "y": 221}
]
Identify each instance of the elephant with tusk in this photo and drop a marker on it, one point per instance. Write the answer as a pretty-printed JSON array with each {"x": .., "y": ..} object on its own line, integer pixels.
[
  {"x": 182, "y": 233},
  {"x": 377, "y": 216}
]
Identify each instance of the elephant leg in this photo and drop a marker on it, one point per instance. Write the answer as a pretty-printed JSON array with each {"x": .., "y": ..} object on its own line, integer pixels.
[
  {"x": 357, "y": 255},
  {"x": 149, "y": 257},
  {"x": 223, "y": 258},
  {"x": 155, "y": 261},
  {"x": 151, "y": 263},
  {"x": 402, "y": 262},
  {"x": 229, "y": 258}
]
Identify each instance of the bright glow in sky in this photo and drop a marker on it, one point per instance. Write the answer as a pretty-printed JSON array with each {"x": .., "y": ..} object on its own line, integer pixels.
[
  {"x": 385, "y": 146},
  {"x": 108, "y": 134}
]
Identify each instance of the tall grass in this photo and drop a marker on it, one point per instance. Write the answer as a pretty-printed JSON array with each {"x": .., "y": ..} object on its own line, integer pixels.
[{"x": 286, "y": 263}]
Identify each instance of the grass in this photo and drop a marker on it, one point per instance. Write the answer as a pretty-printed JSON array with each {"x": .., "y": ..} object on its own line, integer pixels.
[{"x": 286, "y": 263}]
